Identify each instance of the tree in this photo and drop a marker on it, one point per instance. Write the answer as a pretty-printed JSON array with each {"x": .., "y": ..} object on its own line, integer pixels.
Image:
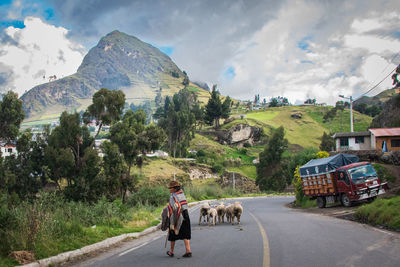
[
  {"x": 329, "y": 115},
  {"x": 310, "y": 101},
  {"x": 340, "y": 105},
  {"x": 269, "y": 171},
  {"x": 327, "y": 142},
  {"x": 69, "y": 141},
  {"x": 362, "y": 108},
  {"x": 106, "y": 108},
  {"x": 185, "y": 81},
  {"x": 226, "y": 108},
  {"x": 213, "y": 108},
  {"x": 372, "y": 110},
  {"x": 115, "y": 170},
  {"x": 273, "y": 102},
  {"x": 133, "y": 137},
  {"x": 11, "y": 116},
  {"x": 179, "y": 121}
]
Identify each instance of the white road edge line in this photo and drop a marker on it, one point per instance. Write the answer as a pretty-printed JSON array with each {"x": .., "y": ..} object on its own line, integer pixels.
[
  {"x": 266, "y": 258},
  {"x": 132, "y": 249}
]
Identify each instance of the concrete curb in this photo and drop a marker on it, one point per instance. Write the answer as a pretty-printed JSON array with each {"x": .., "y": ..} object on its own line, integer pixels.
[{"x": 66, "y": 256}]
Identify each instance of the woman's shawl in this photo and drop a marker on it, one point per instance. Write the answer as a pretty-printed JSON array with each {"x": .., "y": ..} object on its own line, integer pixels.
[{"x": 177, "y": 204}]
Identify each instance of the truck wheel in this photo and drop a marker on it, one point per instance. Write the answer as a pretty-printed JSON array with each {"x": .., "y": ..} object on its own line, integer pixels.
[
  {"x": 321, "y": 202},
  {"x": 345, "y": 200},
  {"x": 371, "y": 199}
]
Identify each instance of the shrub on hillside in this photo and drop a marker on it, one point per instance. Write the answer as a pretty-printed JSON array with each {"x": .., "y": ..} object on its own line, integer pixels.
[
  {"x": 247, "y": 144},
  {"x": 217, "y": 168},
  {"x": 154, "y": 196},
  {"x": 383, "y": 173}
]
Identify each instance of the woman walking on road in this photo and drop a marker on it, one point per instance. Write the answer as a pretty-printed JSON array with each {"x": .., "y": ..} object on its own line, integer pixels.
[{"x": 179, "y": 219}]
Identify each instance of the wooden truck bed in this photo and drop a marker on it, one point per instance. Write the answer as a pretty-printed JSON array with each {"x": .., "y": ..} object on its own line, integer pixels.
[{"x": 319, "y": 185}]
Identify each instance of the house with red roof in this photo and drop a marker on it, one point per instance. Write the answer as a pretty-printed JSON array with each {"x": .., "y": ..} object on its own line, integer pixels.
[
  {"x": 385, "y": 139},
  {"x": 381, "y": 139},
  {"x": 8, "y": 150}
]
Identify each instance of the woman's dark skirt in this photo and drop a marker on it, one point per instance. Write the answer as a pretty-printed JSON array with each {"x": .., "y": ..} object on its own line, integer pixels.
[{"x": 185, "y": 231}]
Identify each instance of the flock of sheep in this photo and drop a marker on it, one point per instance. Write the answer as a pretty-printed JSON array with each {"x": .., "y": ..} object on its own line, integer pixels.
[{"x": 211, "y": 213}]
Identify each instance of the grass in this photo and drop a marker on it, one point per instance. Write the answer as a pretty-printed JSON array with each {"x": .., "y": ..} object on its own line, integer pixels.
[
  {"x": 306, "y": 203},
  {"x": 49, "y": 225},
  {"x": 341, "y": 123},
  {"x": 246, "y": 170},
  {"x": 263, "y": 115},
  {"x": 384, "y": 212}
]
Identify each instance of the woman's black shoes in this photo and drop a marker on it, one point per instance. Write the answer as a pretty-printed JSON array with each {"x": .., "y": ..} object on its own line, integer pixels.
[
  {"x": 169, "y": 253},
  {"x": 187, "y": 255}
]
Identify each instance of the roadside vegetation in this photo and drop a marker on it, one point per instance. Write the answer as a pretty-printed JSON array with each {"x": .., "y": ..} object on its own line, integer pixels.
[
  {"x": 50, "y": 224},
  {"x": 382, "y": 212}
]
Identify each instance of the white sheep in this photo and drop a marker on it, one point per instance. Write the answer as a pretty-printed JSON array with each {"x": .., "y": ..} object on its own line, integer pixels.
[
  {"x": 229, "y": 212},
  {"x": 237, "y": 212},
  {"x": 212, "y": 216},
  {"x": 221, "y": 212},
  {"x": 204, "y": 211}
]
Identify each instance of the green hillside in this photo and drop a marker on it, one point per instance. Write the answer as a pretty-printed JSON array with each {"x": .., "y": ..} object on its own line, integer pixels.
[{"x": 307, "y": 131}]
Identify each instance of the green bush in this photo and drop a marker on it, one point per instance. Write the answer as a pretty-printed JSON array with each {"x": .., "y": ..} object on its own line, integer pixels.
[
  {"x": 210, "y": 191},
  {"x": 381, "y": 212},
  {"x": 383, "y": 173},
  {"x": 201, "y": 153},
  {"x": 247, "y": 144},
  {"x": 243, "y": 151},
  {"x": 217, "y": 168},
  {"x": 154, "y": 196}
]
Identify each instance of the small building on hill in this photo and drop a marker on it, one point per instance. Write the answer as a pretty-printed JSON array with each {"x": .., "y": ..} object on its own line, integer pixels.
[
  {"x": 381, "y": 139},
  {"x": 385, "y": 139},
  {"x": 8, "y": 150},
  {"x": 352, "y": 141}
]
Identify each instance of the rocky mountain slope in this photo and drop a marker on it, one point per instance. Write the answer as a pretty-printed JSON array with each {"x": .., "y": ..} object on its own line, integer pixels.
[
  {"x": 377, "y": 100},
  {"x": 118, "y": 61},
  {"x": 390, "y": 115}
]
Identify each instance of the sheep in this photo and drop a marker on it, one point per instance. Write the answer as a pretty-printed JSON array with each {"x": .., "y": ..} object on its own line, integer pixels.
[
  {"x": 204, "y": 211},
  {"x": 221, "y": 212},
  {"x": 212, "y": 213},
  {"x": 229, "y": 212},
  {"x": 237, "y": 212}
]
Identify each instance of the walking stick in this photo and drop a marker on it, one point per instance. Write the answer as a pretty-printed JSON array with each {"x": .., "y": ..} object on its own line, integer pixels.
[{"x": 166, "y": 239}]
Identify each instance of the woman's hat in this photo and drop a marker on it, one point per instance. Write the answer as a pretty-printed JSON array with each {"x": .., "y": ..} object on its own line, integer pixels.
[{"x": 173, "y": 184}]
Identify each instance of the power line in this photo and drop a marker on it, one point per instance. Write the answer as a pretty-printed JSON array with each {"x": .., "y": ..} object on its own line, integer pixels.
[{"x": 376, "y": 84}]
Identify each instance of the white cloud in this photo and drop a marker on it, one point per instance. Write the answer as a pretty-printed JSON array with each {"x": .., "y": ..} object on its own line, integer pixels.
[
  {"x": 309, "y": 51},
  {"x": 38, "y": 50}
]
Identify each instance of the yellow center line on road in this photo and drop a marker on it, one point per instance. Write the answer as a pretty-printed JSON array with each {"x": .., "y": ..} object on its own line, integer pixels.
[{"x": 266, "y": 262}]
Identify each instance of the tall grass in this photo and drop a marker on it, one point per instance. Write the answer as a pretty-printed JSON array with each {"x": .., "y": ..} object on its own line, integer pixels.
[
  {"x": 381, "y": 212},
  {"x": 210, "y": 191},
  {"x": 50, "y": 225}
]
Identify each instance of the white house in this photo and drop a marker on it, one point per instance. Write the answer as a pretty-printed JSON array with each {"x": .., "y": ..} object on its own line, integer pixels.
[{"x": 8, "y": 150}]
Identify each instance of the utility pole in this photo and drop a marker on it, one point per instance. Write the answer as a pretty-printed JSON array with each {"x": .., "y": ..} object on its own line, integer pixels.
[
  {"x": 351, "y": 111},
  {"x": 233, "y": 180}
]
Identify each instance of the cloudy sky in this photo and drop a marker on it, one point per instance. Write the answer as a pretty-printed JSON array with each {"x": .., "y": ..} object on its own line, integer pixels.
[{"x": 296, "y": 49}]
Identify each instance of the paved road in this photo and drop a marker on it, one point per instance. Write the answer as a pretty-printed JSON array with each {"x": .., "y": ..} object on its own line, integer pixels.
[{"x": 270, "y": 235}]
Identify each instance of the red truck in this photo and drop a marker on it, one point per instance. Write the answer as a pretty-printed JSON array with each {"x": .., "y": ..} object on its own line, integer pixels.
[{"x": 340, "y": 178}]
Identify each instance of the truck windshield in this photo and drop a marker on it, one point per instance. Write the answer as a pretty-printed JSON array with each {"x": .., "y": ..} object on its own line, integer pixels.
[{"x": 361, "y": 174}]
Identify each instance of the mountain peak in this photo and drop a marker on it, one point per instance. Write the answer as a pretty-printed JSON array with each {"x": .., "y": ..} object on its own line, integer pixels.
[{"x": 118, "y": 61}]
